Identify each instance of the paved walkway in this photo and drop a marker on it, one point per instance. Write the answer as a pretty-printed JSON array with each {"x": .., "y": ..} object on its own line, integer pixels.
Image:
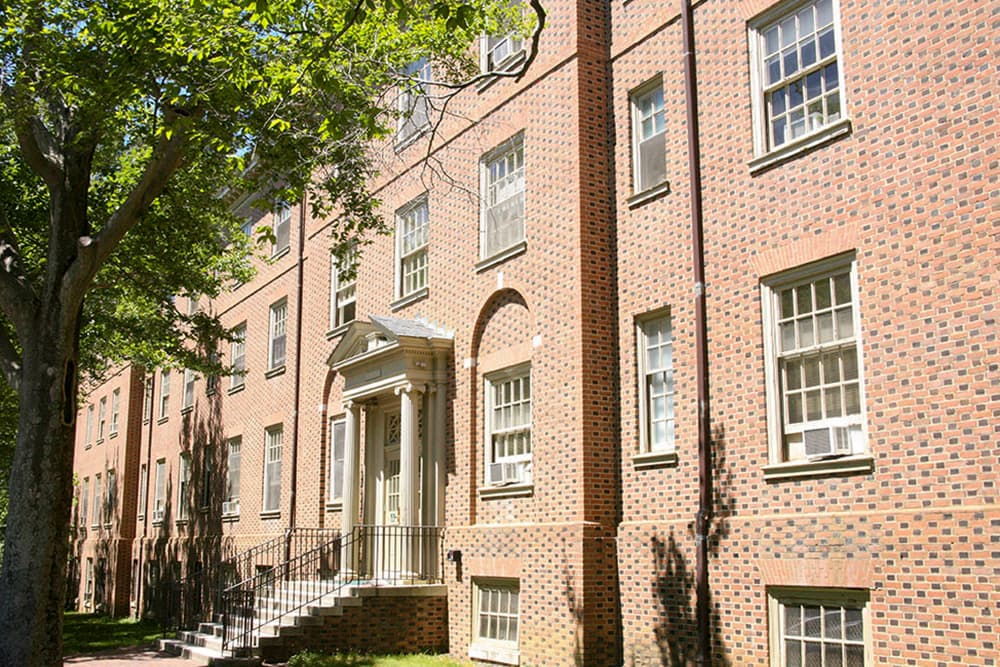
[{"x": 131, "y": 656}]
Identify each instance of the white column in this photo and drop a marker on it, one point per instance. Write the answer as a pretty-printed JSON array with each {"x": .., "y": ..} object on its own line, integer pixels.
[
  {"x": 409, "y": 456},
  {"x": 440, "y": 454},
  {"x": 349, "y": 508}
]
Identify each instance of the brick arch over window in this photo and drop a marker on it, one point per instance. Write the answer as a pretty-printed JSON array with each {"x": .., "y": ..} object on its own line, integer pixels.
[{"x": 501, "y": 351}]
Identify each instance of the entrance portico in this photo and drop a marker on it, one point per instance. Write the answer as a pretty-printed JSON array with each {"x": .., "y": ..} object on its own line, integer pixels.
[{"x": 395, "y": 390}]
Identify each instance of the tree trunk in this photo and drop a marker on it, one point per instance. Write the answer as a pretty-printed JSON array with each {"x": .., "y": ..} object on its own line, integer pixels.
[{"x": 33, "y": 575}]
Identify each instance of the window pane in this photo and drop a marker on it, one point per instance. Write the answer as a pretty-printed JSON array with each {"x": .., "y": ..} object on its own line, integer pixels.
[
  {"x": 812, "y": 371},
  {"x": 794, "y": 408},
  {"x": 853, "y": 626},
  {"x": 793, "y": 653},
  {"x": 845, "y": 323},
  {"x": 831, "y": 622},
  {"x": 814, "y": 654},
  {"x": 806, "y": 338},
  {"x": 833, "y": 655},
  {"x": 811, "y": 621},
  {"x": 855, "y": 656}
]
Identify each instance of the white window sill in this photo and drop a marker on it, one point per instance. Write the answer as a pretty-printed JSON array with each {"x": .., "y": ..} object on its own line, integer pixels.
[
  {"x": 271, "y": 514},
  {"x": 405, "y": 142},
  {"x": 278, "y": 254},
  {"x": 858, "y": 463},
  {"x": 230, "y": 518},
  {"x": 113, "y": 434},
  {"x": 649, "y": 194},
  {"x": 99, "y": 441},
  {"x": 502, "y": 256},
  {"x": 408, "y": 299},
  {"x": 237, "y": 389},
  {"x": 187, "y": 410},
  {"x": 338, "y": 330},
  {"x": 157, "y": 522},
  {"x": 509, "y": 491},
  {"x": 335, "y": 506},
  {"x": 274, "y": 372},
  {"x": 162, "y": 420},
  {"x": 492, "y": 653},
  {"x": 800, "y": 145},
  {"x": 654, "y": 460},
  {"x": 512, "y": 62}
]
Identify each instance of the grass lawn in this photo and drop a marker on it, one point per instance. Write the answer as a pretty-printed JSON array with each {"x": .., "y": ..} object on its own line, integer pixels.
[
  {"x": 308, "y": 659},
  {"x": 90, "y": 633}
]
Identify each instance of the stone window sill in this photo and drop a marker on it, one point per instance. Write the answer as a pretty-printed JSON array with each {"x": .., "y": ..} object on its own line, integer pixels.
[
  {"x": 281, "y": 253},
  {"x": 649, "y": 194},
  {"x": 412, "y": 138},
  {"x": 408, "y": 299},
  {"x": 187, "y": 410},
  {"x": 113, "y": 434},
  {"x": 162, "y": 420},
  {"x": 272, "y": 514},
  {"x": 335, "y": 506},
  {"x": 861, "y": 463},
  {"x": 654, "y": 460},
  {"x": 237, "y": 389},
  {"x": 492, "y": 653},
  {"x": 510, "y": 64},
  {"x": 275, "y": 372},
  {"x": 509, "y": 491},
  {"x": 801, "y": 145},
  {"x": 338, "y": 330},
  {"x": 230, "y": 518},
  {"x": 502, "y": 256}
]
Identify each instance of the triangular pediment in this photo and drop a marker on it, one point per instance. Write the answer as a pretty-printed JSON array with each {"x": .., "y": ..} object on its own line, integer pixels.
[{"x": 364, "y": 338}]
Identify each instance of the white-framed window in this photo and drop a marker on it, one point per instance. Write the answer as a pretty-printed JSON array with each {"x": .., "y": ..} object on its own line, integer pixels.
[
  {"x": 143, "y": 489},
  {"x": 184, "y": 487},
  {"x": 826, "y": 627},
  {"x": 88, "y": 586},
  {"x": 508, "y": 426},
  {"x": 164, "y": 393},
  {"x": 656, "y": 383},
  {"x": 110, "y": 497},
  {"x": 237, "y": 356},
  {"x": 413, "y": 104},
  {"x": 90, "y": 425},
  {"x": 231, "y": 504},
  {"x": 282, "y": 228},
  {"x": 102, "y": 417},
  {"x": 796, "y": 80},
  {"x": 649, "y": 137},
  {"x": 411, "y": 248},
  {"x": 272, "y": 468},
  {"x": 276, "y": 336},
  {"x": 95, "y": 506},
  {"x": 189, "y": 380},
  {"x": 496, "y": 619},
  {"x": 115, "y": 409},
  {"x": 147, "y": 400},
  {"x": 160, "y": 490},
  {"x": 207, "y": 473},
  {"x": 343, "y": 291},
  {"x": 212, "y": 380},
  {"x": 84, "y": 500},
  {"x": 338, "y": 442},
  {"x": 193, "y": 303},
  {"x": 502, "y": 216},
  {"x": 815, "y": 386}
]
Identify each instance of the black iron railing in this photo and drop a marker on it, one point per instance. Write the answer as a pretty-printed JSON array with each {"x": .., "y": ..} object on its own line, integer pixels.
[
  {"x": 183, "y": 603},
  {"x": 367, "y": 556}
]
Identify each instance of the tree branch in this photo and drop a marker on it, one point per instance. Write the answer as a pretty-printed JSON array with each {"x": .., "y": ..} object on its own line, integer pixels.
[
  {"x": 10, "y": 360},
  {"x": 39, "y": 149},
  {"x": 17, "y": 298},
  {"x": 93, "y": 251}
]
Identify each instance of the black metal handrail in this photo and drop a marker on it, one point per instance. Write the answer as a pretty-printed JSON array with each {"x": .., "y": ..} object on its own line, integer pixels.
[
  {"x": 184, "y": 603},
  {"x": 367, "y": 556}
]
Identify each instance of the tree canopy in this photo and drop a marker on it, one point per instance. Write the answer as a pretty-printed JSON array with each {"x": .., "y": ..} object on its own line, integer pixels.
[{"x": 127, "y": 127}]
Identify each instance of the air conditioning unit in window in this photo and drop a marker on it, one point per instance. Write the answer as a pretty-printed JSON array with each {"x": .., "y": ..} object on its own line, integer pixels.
[
  {"x": 158, "y": 515},
  {"x": 829, "y": 441},
  {"x": 504, "y": 473},
  {"x": 231, "y": 507}
]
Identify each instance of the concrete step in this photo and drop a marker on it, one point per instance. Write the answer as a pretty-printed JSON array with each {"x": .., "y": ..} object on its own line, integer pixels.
[{"x": 207, "y": 640}]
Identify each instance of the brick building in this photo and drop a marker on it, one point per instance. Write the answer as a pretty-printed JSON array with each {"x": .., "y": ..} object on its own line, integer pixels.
[{"x": 487, "y": 442}]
